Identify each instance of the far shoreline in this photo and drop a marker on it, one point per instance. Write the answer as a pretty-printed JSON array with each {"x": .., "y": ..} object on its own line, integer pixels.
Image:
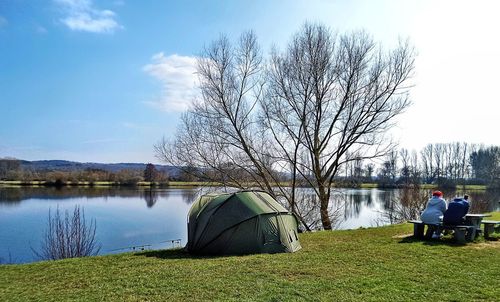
[{"x": 184, "y": 184}]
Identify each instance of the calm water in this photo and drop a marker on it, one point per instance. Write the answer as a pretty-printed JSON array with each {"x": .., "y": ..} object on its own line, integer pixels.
[{"x": 134, "y": 217}]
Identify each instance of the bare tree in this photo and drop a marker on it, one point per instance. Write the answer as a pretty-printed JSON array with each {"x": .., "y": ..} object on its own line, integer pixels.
[
  {"x": 68, "y": 237},
  {"x": 389, "y": 169},
  {"x": 324, "y": 102},
  {"x": 9, "y": 167},
  {"x": 427, "y": 156},
  {"x": 369, "y": 171},
  {"x": 439, "y": 160},
  {"x": 336, "y": 96},
  {"x": 405, "y": 170},
  {"x": 415, "y": 171}
]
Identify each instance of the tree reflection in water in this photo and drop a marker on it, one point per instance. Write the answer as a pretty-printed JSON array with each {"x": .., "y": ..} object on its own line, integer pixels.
[
  {"x": 150, "y": 196},
  {"x": 484, "y": 201},
  {"x": 308, "y": 207},
  {"x": 402, "y": 205},
  {"x": 355, "y": 200},
  {"x": 189, "y": 195}
]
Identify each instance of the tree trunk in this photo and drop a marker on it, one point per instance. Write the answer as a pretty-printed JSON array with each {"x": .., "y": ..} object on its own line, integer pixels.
[
  {"x": 325, "y": 218},
  {"x": 324, "y": 200}
]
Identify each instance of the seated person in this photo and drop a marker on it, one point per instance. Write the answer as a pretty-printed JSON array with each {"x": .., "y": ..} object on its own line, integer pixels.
[
  {"x": 457, "y": 209},
  {"x": 436, "y": 206}
]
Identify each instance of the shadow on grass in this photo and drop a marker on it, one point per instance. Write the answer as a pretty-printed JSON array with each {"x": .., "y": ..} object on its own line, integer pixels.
[
  {"x": 175, "y": 254},
  {"x": 446, "y": 240},
  {"x": 431, "y": 242}
]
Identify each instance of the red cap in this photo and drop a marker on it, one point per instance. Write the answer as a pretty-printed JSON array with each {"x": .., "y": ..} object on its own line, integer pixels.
[{"x": 437, "y": 193}]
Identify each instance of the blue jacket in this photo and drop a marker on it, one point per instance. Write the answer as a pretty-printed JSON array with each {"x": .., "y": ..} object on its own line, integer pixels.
[{"x": 457, "y": 209}]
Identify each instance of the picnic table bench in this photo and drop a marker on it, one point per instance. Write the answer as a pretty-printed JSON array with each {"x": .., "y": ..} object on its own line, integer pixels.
[
  {"x": 462, "y": 233},
  {"x": 490, "y": 226}
]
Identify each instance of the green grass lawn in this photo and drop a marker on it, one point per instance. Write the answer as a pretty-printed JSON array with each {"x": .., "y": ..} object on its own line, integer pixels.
[{"x": 375, "y": 264}]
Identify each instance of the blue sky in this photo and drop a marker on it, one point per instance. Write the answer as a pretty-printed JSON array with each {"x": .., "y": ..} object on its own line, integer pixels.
[{"x": 102, "y": 81}]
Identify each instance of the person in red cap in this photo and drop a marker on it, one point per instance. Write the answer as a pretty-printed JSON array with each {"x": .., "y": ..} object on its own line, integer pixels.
[{"x": 436, "y": 206}]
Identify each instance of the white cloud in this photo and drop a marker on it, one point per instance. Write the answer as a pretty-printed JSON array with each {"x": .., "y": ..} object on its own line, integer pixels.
[
  {"x": 81, "y": 15},
  {"x": 177, "y": 75}
]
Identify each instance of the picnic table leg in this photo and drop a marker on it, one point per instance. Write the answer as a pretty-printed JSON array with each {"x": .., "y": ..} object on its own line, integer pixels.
[
  {"x": 459, "y": 235},
  {"x": 418, "y": 230},
  {"x": 488, "y": 229},
  {"x": 471, "y": 234}
]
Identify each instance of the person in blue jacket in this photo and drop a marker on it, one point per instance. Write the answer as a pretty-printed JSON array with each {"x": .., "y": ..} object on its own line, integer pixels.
[{"x": 457, "y": 209}]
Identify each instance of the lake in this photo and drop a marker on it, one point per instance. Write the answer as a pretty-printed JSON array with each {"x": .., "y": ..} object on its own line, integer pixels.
[{"x": 128, "y": 218}]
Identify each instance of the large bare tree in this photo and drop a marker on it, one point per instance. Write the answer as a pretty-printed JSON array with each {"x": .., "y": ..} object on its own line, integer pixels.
[{"x": 295, "y": 120}]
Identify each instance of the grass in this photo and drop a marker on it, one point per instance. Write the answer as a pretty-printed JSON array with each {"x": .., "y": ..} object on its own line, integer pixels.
[
  {"x": 473, "y": 187},
  {"x": 374, "y": 264},
  {"x": 368, "y": 185},
  {"x": 458, "y": 187}
]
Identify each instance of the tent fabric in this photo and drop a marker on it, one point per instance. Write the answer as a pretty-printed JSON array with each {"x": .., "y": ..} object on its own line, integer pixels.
[{"x": 244, "y": 222}]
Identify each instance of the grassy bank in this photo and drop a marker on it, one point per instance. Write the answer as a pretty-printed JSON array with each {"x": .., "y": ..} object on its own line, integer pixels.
[
  {"x": 459, "y": 187},
  {"x": 376, "y": 264}
]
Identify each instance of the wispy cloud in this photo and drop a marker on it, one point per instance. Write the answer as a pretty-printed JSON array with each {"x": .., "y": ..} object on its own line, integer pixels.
[
  {"x": 81, "y": 15},
  {"x": 41, "y": 30},
  {"x": 17, "y": 151},
  {"x": 3, "y": 22},
  {"x": 102, "y": 141},
  {"x": 177, "y": 75},
  {"x": 135, "y": 126}
]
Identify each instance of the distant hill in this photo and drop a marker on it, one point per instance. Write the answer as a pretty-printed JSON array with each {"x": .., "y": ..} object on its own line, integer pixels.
[{"x": 64, "y": 165}]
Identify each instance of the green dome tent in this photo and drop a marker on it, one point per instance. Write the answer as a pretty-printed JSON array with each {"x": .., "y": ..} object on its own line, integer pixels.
[{"x": 244, "y": 222}]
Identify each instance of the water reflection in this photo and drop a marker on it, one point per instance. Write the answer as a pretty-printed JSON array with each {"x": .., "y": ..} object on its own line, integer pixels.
[
  {"x": 14, "y": 195},
  {"x": 125, "y": 217},
  {"x": 150, "y": 196},
  {"x": 402, "y": 205},
  {"x": 17, "y": 194},
  {"x": 189, "y": 195},
  {"x": 352, "y": 208},
  {"x": 354, "y": 201},
  {"x": 397, "y": 205},
  {"x": 484, "y": 201}
]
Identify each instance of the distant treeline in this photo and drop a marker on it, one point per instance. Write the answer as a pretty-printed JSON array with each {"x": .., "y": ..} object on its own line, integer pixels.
[
  {"x": 443, "y": 164},
  {"x": 11, "y": 169}
]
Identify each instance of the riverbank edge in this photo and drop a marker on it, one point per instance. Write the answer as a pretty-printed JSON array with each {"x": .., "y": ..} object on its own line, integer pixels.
[{"x": 45, "y": 183}]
